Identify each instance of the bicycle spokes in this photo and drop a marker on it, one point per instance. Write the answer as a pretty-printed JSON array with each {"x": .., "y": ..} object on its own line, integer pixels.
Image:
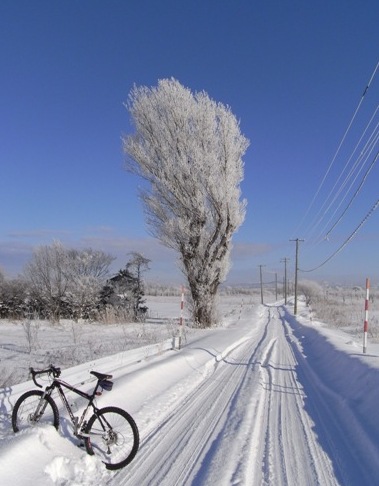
[{"x": 113, "y": 437}]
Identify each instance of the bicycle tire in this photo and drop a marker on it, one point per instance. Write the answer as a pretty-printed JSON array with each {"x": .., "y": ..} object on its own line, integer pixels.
[
  {"x": 26, "y": 405},
  {"x": 116, "y": 445}
]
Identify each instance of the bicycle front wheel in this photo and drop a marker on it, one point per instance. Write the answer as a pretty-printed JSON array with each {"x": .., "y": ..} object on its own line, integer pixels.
[
  {"x": 113, "y": 437},
  {"x": 32, "y": 409}
]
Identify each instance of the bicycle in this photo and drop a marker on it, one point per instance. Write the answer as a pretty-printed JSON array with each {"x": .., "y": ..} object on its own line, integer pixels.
[{"x": 110, "y": 433}]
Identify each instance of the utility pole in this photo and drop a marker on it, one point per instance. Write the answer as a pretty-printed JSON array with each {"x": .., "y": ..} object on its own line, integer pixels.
[
  {"x": 260, "y": 274},
  {"x": 285, "y": 260},
  {"x": 296, "y": 271},
  {"x": 276, "y": 287}
]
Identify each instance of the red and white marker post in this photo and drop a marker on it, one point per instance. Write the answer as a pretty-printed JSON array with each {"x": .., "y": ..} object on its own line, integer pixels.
[
  {"x": 181, "y": 319},
  {"x": 365, "y": 325}
]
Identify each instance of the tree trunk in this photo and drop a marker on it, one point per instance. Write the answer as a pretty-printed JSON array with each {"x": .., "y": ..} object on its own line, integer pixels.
[{"x": 203, "y": 301}]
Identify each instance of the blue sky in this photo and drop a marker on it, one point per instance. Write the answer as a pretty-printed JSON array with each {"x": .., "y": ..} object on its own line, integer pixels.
[{"x": 293, "y": 72}]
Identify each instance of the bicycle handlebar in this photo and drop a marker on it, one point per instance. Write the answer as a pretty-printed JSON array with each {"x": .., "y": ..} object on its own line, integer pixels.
[{"x": 51, "y": 370}]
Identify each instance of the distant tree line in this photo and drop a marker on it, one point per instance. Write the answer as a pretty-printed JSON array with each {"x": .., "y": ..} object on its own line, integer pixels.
[{"x": 63, "y": 283}]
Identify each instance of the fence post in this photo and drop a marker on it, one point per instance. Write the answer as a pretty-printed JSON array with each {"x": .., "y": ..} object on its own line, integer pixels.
[{"x": 365, "y": 325}]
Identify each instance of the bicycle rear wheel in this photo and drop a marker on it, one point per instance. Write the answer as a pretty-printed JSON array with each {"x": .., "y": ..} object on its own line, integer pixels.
[
  {"x": 31, "y": 411},
  {"x": 113, "y": 437}
]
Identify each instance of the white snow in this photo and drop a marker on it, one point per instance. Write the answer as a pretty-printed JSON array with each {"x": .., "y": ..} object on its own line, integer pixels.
[{"x": 265, "y": 399}]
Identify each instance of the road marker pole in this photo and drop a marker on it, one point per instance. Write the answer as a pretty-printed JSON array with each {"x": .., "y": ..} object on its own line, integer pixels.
[
  {"x": 365, "y": 325},
  {"x": 181, "y": 319}
]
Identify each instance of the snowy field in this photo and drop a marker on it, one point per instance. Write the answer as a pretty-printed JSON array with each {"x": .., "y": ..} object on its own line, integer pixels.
[
  {"x": 264, "y": 399},
  {"x": 69, "y": 343}
]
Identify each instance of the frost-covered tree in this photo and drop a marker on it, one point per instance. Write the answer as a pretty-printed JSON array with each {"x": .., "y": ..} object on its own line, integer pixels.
[
  {"x": 90, "y": 262},
  {"x": 118, "y": 294},
  {"x": 189, "y": 149},
  {"x": 137, "y": 265},
  {"x": 13, "y": 298},
  {"x": 66, "y": 281},
  {"x": 88, "y": 271},
  {"x": 48, "y": 278},
  {"x": 125, "y": 291},
  {"x": 310, "y": 289}
]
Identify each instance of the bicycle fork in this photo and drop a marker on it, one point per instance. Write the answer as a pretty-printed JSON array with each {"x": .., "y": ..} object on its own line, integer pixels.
[
  {"x": 108, "y": 435},
  {"x": 40, "y": 410}
]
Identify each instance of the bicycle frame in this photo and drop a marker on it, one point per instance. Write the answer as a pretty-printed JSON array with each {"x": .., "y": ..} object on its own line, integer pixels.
[
  {"x": 77, "y": 423},
  {"x": 109, "y": 432}
]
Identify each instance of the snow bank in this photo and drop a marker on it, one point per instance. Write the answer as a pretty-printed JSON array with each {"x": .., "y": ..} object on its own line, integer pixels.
[
  {"x": 43, "y": 457},
  {"x": 341, "y": 366}
]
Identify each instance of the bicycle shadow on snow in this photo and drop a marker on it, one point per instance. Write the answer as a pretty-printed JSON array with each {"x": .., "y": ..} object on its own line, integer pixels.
[{"x": 341, "y": 397}]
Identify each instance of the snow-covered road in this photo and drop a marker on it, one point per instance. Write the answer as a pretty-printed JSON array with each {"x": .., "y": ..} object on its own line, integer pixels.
[
  {"x": 261, "y": 415},
  {"x": 269, "y": 399},
  {"x": 245, "y": 423}
]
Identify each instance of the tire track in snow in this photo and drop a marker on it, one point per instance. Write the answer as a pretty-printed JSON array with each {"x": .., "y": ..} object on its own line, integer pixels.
[
  {"x": 235, "y": 457},
  {"x": 293, "y": 454},
  {"x": 244, "y": 424},
  {"x": 185, "y": 439}
]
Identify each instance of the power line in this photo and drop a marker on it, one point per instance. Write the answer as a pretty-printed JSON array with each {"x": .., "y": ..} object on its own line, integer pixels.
[
  {"x": 347, "y": 240},
  {"x": 354, "y": 195},
  {"x": 357, "y": 168},
  {"x": 322, "y": 236},
  {"x": 340, "y": 145}
]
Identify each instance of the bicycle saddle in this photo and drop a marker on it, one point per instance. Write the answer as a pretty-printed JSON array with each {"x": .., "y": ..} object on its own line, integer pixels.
[{"x": 101, "y": 376}]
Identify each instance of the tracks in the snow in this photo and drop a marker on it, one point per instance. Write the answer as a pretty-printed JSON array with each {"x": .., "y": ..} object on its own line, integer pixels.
[{"x": 248, "y": 422}]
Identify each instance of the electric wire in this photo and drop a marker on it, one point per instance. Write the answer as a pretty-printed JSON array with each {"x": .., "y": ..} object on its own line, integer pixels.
[
  {"x": 372, "y": 140},
  {"x": 352, "y": 235},
  {"x": 358, "y": 190},
  {"x": 357, "y": 167},
  {"x": 335, "y": 193},
  {"x": 338, "y": 149}
]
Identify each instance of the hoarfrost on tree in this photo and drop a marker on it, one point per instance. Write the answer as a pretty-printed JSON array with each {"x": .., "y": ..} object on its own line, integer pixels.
[{"x": 189, "y": 149}]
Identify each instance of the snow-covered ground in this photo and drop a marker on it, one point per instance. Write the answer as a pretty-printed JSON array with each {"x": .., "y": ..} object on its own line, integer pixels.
[{"x": 265, "y": 399}]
